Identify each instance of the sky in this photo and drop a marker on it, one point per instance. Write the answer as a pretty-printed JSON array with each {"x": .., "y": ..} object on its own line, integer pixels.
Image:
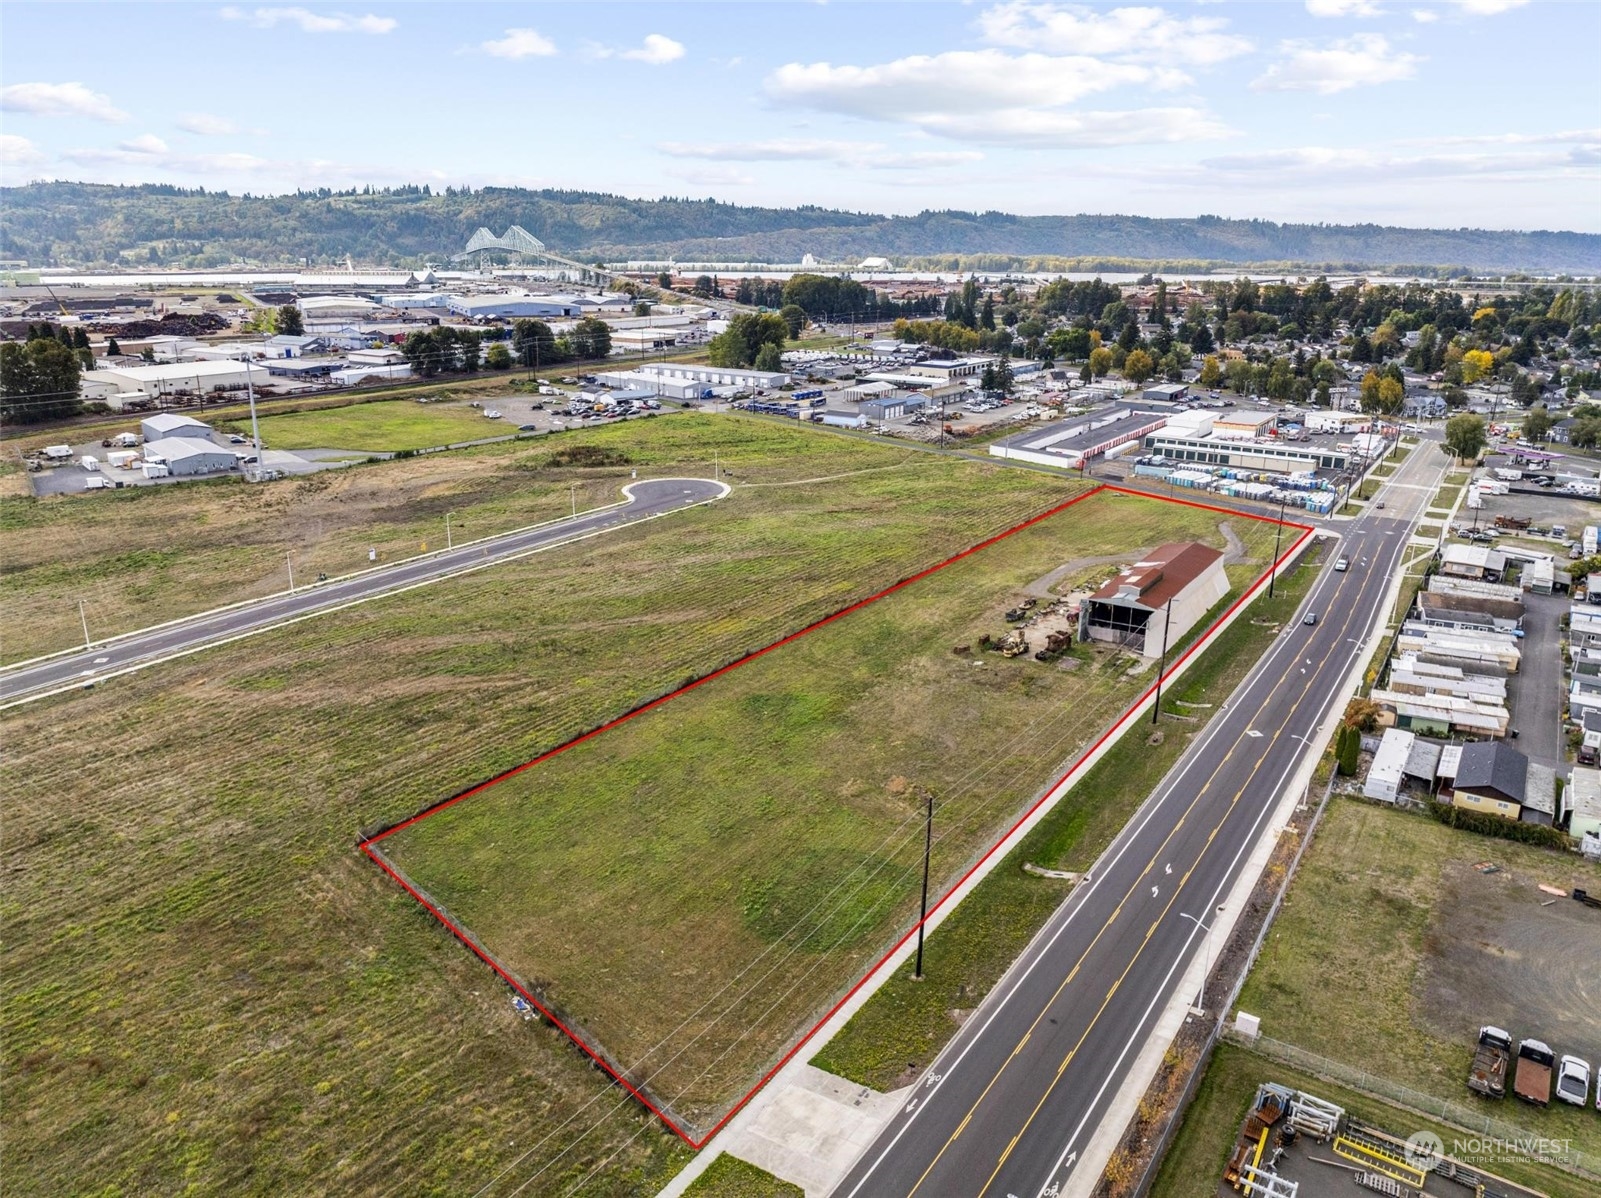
[{"x": 1439, "y": 113}]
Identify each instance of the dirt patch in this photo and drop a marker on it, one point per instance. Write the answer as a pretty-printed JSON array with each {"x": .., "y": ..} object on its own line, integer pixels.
[{"x": 1497, "y": 954}]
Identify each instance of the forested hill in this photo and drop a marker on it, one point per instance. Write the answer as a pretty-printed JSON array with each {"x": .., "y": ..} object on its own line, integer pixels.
[{"x": 79, "y": 224}]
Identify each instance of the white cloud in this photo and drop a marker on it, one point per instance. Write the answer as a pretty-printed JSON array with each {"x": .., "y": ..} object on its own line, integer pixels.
[
  {"x": 206, "y": 125},
  {"x": 1343, "y": 8},
  {"x": 658, "y": 50},
  {"x": 18, "y": 151},
  {"x": 1078, "y": 130},
  {"x": 859, "y": 155},
  {"x": 990, "y": 96},
  {"x": 145, "y": 143},
  {"x": 958, "y": 81},
  {"x": 1323, "y": 163},
  {"x": 59, "y": 99},
  {"x": 1148, "y": 33},
  {"x": 1487, "y": 8},
  {"x": 1424, "y": 16},
  {"x": 520, "y": 43},
  {"x": 309, "y": 21},
  {"x": 1359, "y": 61}
]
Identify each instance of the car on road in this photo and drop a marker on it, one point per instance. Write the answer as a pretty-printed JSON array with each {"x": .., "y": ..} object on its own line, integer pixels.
[
  {"x": 1573, "y": 1080},
  {"x": 527, "y": 428},
  {"x": 1311, "y": 618},
  {"x": 1342, "y": 565},
  {"x": 235, "y": 439}
]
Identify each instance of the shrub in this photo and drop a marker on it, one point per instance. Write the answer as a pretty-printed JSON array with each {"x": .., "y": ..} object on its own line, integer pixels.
[{"x": 1499, "y": 826}]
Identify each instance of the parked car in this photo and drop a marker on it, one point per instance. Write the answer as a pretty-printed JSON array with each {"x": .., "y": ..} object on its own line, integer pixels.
[
  {"x": 1573, "y": 1080},
  {"x": 1487, "y": 1076},
  {"x": 492, "y": 414},
  {"x": 1532, "y": 1081},
  {"x": 527, "y": 428}
]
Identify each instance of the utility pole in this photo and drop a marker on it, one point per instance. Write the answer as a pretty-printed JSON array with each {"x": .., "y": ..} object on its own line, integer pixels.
[
  {"x": 1167, "y": 622},
  {"x": 573, "y": 487},
  {"x": 448, "y": 543},
  {"x": 290, "y": 557},
  {"x": 1278, "y": 538},
  {"x": 922, "y": 917},
  {"x": 255, "y": 428},
  {"x": 87, "y": 643}
]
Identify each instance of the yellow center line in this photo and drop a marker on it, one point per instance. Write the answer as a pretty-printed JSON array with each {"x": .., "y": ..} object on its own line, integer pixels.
[
  {"x": 1172, "y": 832},
  {"x": 1183, "y": 881}
]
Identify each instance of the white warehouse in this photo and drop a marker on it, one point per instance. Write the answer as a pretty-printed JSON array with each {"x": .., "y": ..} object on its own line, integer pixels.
[{"x": 113, "y": 385}]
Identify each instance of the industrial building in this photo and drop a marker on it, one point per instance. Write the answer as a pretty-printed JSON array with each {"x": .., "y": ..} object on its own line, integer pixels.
[
  {"x": 643, "y": 340},
  {"x": 169, "y": 424},
  {"x": 119, "y": 385},
  {"x": 190, "y": 455},
  {"x": 514, "y": 307},
  {"x": 891, "y": 406},
  {"x": 1165, "y": 392},
  {"x": 324, "y": 309},
  {"x": 1151, "y": 605},
  {"x": 1072, "y": 443},
  {"x": 1192, "y": 437},
  {"x": 1449, "y": 609},
  {"x": 945, "y": 369}
]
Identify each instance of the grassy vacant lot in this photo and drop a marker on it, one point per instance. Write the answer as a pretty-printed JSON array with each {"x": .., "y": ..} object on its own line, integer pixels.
[
  {"x": 204, "y": 988},
  {"x": 1194, "y": 1163},
  {"x": 146, "y": 554},
  {"x": 695, "y": 886},
  {"x": 389, "y": 425},
  {"x": 905, "y": 1024},
  {"x": 1386, "y": 957},
  {"x": 730, "y": 1177}
]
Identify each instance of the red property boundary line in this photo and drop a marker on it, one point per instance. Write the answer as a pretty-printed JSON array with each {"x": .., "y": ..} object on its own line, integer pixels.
[{"x": 366, "y": 845}]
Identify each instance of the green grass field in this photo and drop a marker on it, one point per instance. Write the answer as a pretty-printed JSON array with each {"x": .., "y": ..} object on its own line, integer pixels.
[
  {"x": 1345, "y": 971},
  {"x": 389, "y": 425},
  {"x": 204, "y": 988},
  {"x": 694, "y": 887},
  {"x": 729, "y": 1177},
  {"x": 143, "y": 555}
]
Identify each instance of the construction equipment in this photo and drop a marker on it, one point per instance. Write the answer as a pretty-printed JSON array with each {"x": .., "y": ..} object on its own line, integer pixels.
[
  {"x": 1056, "y": 644},
  {"x": 1013, "y": 644}
]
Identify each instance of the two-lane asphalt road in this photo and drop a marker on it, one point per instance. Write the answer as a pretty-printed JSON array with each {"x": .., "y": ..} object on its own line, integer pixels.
[
  {"x": 121, "y": 655},
  {"x": 1011, "y": 1104}
]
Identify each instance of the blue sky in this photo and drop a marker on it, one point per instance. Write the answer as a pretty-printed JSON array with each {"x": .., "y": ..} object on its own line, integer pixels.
[{"x": 1418, "y": 112}]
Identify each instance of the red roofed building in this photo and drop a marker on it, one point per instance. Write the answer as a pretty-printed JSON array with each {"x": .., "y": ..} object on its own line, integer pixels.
[{"x": 1149, "y": 606}]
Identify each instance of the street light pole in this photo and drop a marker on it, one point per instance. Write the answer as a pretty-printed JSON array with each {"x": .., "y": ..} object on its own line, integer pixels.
[
  {"x": 290, "y": 558},
  {"x": 1167, "y": 622},
  {"x": 922, "y": 917},
  {"x": 448, "y": 543},
  {"x": 1278, "y": 537},
  {"x": 1206, "y": 960},
  {"x": 573, "y": 487},
  {"x": 87, "y": 643}
]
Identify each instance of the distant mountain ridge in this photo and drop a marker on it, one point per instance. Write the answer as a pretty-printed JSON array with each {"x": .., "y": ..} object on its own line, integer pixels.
[{"x": 84, "y": 224}]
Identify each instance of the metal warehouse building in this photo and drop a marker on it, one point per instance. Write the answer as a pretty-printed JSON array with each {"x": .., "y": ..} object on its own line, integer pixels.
[
  {"x": 1149, "y": 606},
  {"x": 168, "y": 424},
  {"x": 514, "y": 307},
  {"x": 189, "y": 455},
  {"x": 1071, "y": 443}
]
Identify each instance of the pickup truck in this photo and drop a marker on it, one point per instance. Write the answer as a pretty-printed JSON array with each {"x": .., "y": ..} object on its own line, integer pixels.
[
  {"x": 1488, "y": 1073},
  {"x": 1573, "y": 1080},
  {"x": 1532, "y": 1082}
]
